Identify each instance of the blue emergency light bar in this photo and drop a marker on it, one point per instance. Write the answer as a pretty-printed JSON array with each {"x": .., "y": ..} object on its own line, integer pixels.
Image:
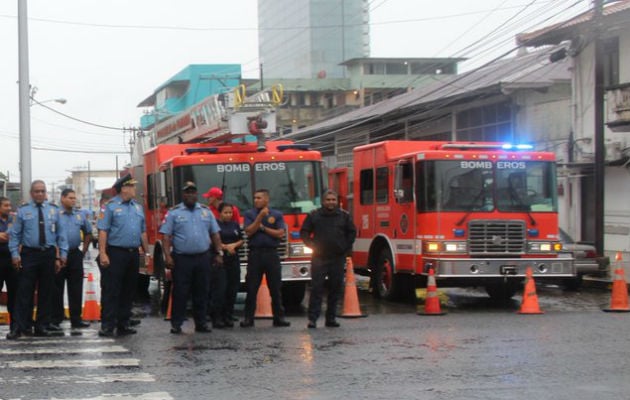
[{"x": 509, "y": 146}]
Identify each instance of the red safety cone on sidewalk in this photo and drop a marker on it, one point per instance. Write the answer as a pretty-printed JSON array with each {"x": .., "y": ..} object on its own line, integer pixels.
[
  {"x": 619, "y": 298},
  {"x": 432, "y": 301},
  {"x": 91, "y": 308},
  {"x": 263, "y": 301},
  {"x": 351, "y": 308},
  {"x": 530, "y": 298}
]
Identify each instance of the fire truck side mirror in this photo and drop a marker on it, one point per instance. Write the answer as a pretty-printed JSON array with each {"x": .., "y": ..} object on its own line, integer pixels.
[{"x": 399, "y": 192}]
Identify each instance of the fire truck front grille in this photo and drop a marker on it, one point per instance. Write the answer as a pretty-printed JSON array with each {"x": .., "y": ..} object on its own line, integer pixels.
[
  {"x": 283, "y": 249},
  {"x": 496, "y": 237}
]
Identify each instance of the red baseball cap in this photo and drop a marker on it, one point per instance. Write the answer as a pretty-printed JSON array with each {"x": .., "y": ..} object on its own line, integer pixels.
[{"x": 214, "y": 192}]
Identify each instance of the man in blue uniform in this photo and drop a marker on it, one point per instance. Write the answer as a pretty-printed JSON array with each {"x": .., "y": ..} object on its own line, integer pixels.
[
  {"x": 330, "y": 232},
  {"x": 188, "y": 229},
  {"x": 74, "y": 222},
  {"x": 38, "y": 248},
  {"x": 8, "y": 275},
  {"x": 121, "y": 231},
  {"x": 265, "y": 228}
]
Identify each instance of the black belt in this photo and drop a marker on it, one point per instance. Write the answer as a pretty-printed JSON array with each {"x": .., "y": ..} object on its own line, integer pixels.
[
  {"x": 41, "y": 249},
  {"x": 129, "y": 249}
]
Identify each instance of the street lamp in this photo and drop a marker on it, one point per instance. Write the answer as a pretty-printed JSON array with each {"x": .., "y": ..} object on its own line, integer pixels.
[{"x": 60, "y": 100}]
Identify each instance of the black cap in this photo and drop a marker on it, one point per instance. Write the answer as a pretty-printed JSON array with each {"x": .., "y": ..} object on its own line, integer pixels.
[
  {"x": 189, "y": 186},
  {"x": 126, "y": 180}
]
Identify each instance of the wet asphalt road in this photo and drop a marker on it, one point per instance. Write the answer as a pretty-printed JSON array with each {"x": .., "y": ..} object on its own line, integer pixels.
[{"x": 479, "y": 350}]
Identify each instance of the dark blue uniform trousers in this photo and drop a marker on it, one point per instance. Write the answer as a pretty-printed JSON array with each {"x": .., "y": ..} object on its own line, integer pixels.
[
  {"x": 118, "y": 287},
  {"x": 320, "y": 269},
  {"x": 191, "y": 272},
  {"x": 264, "y": 261},
  {"x": 73, "y": 273},
  {"x": 224, "y": 283},
  {"x": 38, "y": 268}
]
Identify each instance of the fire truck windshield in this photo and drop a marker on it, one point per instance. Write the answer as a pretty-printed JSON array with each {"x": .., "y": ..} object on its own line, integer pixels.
[
  {"x": 483, "y": 185},
  {"x": 294, "y": 187}
]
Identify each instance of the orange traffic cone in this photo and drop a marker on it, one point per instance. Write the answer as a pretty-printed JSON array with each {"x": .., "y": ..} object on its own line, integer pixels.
[
  {"x": 351, "y": 307},
  {"x": 91, "y": 309},
  {"x": 169, "y": 307},
  {"x": 619, "y": 299},
  {"x": 263, "y": 301},
  {"x": 432, "y": 301},
  {"x": 530, "y": 298}
]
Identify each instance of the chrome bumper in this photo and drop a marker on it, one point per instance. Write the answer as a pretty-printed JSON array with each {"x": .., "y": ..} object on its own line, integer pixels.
[{"x": 499, "y": 267}]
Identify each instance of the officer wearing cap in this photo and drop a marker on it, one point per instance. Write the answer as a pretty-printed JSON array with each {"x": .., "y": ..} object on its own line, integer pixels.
[
  {"x": 39, "y": 249},
  {"x": 121, "y": 231},
  {"x": 188, "y": 229},
  {"x": 215, "y": 199},
  {"x": 76, "y": 224},
  {"x": 265, "y": 228}
]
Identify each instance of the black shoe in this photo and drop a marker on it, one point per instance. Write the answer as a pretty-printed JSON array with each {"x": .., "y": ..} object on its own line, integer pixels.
[
  {"x": 311, "y": 324},
  {"x": 47, "y": 333},
  {"x": 134, "y": 322},
  {"x": 106, "y": 332},
  {"x": 80, "y": 324},
  {"x": 281, "y": 323},
  {"x": 14, "y": 334},
  {"x": 125, "y": 330},
  {"x": 54, "y": 328},
  {"x": 228, "y": 323},
  {"x": 203, "y": 329},
  {"x": 247, "y": 323},
  {"x": 331, "y": 323},
  {"x": 176, "y": 331}
]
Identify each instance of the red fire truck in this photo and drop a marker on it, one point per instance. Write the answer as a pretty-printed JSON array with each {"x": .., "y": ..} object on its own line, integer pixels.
[
  {"x": 208, "y": 144},
  {"x": 479, "y": 214}
]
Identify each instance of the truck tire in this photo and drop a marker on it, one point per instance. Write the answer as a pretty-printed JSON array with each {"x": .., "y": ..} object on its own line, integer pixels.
[
  {"x": 293, "y": 294},
  {"x": 385, "y": 284}
]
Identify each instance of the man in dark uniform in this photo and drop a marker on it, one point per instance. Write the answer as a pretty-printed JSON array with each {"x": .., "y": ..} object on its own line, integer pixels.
[
  {"x": 330, "y": 232},
  {"x": 75, "y": 222},
  {"x": 188, "y": 228},
  {"x": 39, "y": 249},
  {"x": 265, "y": 228},
  {"x": 8, "y": 275},
  {"x": 121, "y": 231}
]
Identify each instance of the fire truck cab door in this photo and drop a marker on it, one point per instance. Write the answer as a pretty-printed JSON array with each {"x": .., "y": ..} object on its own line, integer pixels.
[{"x": 403, "y": 215}]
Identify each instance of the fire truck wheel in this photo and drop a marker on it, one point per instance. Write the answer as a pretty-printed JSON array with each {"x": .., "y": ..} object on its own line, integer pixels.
[
  {"x": 385, "y": 284},
  {"x": 293, "y": 294},
  {"x": 503, "y": 291}
]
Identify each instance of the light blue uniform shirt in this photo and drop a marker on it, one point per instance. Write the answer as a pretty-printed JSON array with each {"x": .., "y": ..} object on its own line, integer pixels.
[
  {"x": 25, "y": 229},
  {"x": 74, "y": 222},
  {"x": 190, "y": 228},
  {"x": 123, "y": 222}
]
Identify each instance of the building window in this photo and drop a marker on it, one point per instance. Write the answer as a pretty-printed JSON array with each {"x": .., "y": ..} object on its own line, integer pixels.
[
  {"x": 374, "y": 69},
  {"x": 611, "y": 61},
  {"x": 398, "y": 68},
  {"x": 492, "y": 123}
]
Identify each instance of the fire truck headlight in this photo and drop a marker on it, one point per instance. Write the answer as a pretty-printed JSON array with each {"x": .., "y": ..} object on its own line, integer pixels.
[
  {"x": 433, "y": 246},
  {"x": 542, "y": 247},
  {"x": 557, "y": 246},
  {"x": 455, "y": 247},
  {"x": 299, "y": 250}
]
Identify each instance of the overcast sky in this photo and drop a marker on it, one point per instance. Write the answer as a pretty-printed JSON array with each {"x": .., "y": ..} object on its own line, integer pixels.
[{"x": 104, "y": 57}]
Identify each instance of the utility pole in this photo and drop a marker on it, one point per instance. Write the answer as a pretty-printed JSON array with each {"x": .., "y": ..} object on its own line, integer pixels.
[
  {"x": 24, "y": 101},
  {"x": 598, "y": 96}
]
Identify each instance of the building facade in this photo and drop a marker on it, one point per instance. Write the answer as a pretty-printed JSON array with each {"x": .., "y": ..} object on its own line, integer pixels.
[{"x": 311, "y": 38}]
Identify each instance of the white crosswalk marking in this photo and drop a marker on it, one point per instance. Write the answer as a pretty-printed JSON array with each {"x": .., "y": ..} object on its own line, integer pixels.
[
  {"x": 53, "y": 350},
  {"x": 46, "y": 366}
]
